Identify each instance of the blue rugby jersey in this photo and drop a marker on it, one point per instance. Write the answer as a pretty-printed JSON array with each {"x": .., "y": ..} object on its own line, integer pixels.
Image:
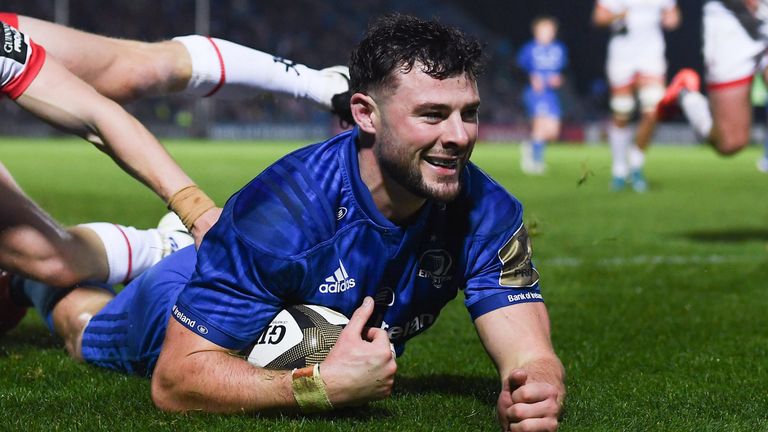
[
  {"x": 306, "y": 231},
  {"x": 544, "y": 60}
]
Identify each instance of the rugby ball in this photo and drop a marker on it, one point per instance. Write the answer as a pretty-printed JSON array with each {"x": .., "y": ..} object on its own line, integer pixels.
[{"x": 298, "y": 336}]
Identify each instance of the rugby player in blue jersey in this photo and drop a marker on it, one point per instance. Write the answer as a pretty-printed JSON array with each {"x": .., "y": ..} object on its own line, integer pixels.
[
  {"x": 392, "y": 209},
  {"x": 543, "y": 59}
]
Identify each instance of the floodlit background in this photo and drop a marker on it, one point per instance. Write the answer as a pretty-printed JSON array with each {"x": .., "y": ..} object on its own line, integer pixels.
[{"x": 658, "y": 300}]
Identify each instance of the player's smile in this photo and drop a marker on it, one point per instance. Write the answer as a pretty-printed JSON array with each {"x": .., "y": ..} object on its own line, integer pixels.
[
  {"x": 443, "y": 165},
  {"x": 444, "y": 168}
]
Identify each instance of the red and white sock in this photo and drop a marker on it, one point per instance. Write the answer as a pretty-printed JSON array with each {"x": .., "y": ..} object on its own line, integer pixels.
[
  {"x": 230, "y": 71},
  {"x": 130, "y": 251}
]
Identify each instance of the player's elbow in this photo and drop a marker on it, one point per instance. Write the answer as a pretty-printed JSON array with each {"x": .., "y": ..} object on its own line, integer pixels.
[
  {"x": 170, "y": 390},
  {"x": 166, "y": 393}
]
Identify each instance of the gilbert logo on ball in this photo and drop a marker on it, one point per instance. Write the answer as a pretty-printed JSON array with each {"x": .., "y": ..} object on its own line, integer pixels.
[{"x": 298, "y": 336}]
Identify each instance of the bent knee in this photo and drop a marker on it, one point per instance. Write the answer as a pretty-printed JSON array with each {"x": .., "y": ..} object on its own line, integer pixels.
[{"x": 731, "y": 144}]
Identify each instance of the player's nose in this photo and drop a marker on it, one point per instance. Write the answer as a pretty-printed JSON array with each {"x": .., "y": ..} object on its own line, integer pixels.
[{"x": 457, "y": 132}]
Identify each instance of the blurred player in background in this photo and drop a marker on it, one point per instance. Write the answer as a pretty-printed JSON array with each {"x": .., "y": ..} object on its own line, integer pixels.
[
  {"x": 735, "y": 43},
  {"x": 126, "y": 70},
  {"x": 636, "y": 69},
  {"x": 543, "y": 59},
  {"x": 376, "y": 208}
]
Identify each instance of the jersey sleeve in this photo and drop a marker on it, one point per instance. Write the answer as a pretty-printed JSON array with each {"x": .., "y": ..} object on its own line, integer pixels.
[
  {"x": 20, "y": 61},
  {"x": 236, "y": 288},
  {"x": 501, "y": 270}
]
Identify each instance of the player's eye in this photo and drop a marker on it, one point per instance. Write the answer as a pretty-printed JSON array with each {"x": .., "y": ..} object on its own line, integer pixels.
[
  {"x": 470, "y": 115},
  {"x": 433, "y": 115}
]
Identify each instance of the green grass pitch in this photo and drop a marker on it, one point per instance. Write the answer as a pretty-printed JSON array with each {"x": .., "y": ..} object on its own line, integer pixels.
[{"x": 658, "y": 301}]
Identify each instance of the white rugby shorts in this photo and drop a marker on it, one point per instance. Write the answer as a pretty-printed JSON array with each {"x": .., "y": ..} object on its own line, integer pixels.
[
  {"x": 630, "y": 58},
  {"x": 731, "y": 56}
]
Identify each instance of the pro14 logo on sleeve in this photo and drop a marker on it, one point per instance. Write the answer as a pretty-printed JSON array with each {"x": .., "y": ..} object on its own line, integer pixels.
[
  {"x": 516, "y": 267},
  {"x": 14, "y": 45}
]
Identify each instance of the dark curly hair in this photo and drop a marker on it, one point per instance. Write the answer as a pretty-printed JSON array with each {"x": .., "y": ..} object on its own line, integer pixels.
[{"x": 396, "y": 42}]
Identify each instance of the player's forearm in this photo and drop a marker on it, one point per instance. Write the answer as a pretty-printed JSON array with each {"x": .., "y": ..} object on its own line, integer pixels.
[
  {"x": 138, "y": 152},
  {"x": 218, "y": 382},
  {"x": 68, "y": 103}
]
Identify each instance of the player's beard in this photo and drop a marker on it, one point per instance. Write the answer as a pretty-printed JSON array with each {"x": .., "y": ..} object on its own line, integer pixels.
[{"x": 400, "y": 166}]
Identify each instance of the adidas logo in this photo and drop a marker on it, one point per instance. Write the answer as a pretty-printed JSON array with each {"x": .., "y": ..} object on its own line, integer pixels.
[{"x": 338, "y": 282}]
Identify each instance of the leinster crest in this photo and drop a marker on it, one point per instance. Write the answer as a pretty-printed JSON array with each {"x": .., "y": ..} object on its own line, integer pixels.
[{"x": 436, "y": 264}]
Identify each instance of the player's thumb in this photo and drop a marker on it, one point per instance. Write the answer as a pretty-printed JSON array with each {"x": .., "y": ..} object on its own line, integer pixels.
[
  {"x": 360, "y": 317},
  {"x": 517, "y": 378}
]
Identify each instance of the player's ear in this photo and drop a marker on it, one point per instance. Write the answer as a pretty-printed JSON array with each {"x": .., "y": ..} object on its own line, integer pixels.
[{"x": 364, "y": 111}]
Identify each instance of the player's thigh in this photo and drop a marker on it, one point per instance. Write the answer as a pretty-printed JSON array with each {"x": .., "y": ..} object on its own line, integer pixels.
[
  {"x": 732, "y": 117},
  {"x": 546, "y": 127},
  {"x": 620, "y": 65},
  {"x": 85, "y": 54}
]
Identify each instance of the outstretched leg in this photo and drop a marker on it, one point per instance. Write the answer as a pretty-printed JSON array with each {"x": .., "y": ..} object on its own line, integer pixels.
[
  {"x": 126, "y": 70},
  {"x": 123, "y": 70},
  {"x": 724, "y": 120},
  {"x": 34, "y": 245}
]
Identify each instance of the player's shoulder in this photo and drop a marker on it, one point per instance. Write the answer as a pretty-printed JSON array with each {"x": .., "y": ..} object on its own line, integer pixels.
[
  {"x": 485, "y": 205},
  {"x": 291, "y": 205}
]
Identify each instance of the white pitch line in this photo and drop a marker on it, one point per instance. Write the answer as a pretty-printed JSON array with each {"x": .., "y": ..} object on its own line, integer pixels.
[{"x": 650, "y": 260}]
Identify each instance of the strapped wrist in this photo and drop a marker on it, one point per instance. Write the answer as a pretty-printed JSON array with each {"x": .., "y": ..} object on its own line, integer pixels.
[
  {"x": 309, "y": 390},
  {"x": 189, "y": 203}
]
